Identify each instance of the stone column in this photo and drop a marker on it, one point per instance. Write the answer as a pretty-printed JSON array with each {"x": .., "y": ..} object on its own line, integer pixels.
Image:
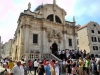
[
  {"x": 64, "y": 40},
  {"x": 0, "y": 39},
  {"x": 43, "y": 39}
]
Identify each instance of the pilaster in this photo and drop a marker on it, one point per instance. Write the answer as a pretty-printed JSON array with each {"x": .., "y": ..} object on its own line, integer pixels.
[
  {"x": 64, "y": 39},
  {"x": 43, "y": 39},
  {"x": 26, "y": 38}
]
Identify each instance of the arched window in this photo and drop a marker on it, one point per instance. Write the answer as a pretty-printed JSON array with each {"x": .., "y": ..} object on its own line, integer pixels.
[
  {"x": 50, "y": 17},
  {"x": 57, "y": 19}
]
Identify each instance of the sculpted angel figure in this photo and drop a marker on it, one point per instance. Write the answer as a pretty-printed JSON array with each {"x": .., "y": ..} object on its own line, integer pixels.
[{"x": 29, "y": 6}]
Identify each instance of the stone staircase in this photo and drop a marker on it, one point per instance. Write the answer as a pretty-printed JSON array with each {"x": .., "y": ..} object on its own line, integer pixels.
[{"x": 51, "y": 56}]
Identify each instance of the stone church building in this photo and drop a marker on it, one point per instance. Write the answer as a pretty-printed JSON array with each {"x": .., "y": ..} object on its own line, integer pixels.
[{"x": 38, "y": 30}]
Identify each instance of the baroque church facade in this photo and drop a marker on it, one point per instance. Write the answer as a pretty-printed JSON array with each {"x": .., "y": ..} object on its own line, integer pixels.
[{"x": 37, "y": 31}]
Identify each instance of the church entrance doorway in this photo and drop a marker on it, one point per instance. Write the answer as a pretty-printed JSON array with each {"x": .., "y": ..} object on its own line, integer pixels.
[{"x": 54, "y": 48}]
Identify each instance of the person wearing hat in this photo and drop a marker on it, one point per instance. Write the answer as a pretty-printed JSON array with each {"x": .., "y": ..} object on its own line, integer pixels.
[{"x": 5, "y": 70}]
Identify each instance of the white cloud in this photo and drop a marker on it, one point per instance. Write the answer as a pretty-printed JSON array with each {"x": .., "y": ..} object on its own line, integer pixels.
[{"x": 77, "y": 8}]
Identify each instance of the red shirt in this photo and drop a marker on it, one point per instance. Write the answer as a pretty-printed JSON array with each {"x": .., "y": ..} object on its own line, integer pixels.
[
  {"x": 44, "y": 62},
  {"x": 30, "y": 63}
]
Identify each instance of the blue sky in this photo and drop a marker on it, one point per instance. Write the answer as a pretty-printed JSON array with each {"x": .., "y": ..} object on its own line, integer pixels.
[{"x": 83, "y": 10}]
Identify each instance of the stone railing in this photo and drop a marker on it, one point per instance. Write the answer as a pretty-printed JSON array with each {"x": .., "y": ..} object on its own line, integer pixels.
[{"x": 51, "y": 56}]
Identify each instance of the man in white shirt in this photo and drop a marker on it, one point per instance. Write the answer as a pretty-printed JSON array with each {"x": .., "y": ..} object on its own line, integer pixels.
[
  {"x": 35, "y": 66},
  {"x": 17, "y": 69},
  {"x": 59, "y": 53},
  {"x": 97, "y": 59}
]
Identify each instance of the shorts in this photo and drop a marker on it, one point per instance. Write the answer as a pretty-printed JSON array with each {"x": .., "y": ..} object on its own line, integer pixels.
[
  {"x": 87, "y": 70},
  {"x": 80, "y": 70}
]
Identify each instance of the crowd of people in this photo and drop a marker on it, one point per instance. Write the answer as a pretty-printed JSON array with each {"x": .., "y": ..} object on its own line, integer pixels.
[
  {"x": 74, "y": 62},
  {"x": 70, "y": 54}
]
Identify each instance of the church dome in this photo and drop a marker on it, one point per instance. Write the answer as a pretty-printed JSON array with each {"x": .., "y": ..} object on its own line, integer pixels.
[{"x": 39, "y": 7}]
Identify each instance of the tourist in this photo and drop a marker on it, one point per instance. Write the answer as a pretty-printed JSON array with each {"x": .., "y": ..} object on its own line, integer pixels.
[
  {"x": 67, "y": 54},
  {"x": 7, "y": 70},
  {"x": 93, "y": 67},
  {"x": 30, "y": 65},
  {"x": 97, "y": 59},
  {"x": 22, "y": 68},
  {"x": 63, "y": 54},
  {"x": 35, "y": 66},
  {"x": 52, "y": 67},
  {"x": 59, "y": 53},
  {"x": 98, "y": 67},
  {"x": 68, "y": 67},
  {"x": 57, "y": 68},
  {"x": 63, "y": 66},
  {"x": 40, "y": 69},
  {"x": 74, "y": 71},
  {"x": 16, "y": 70},
  {"x": 11, "y": 64},
  {"x": 81, "y": 64},
  {"x": 47, "y": 69},
  {"x": 87, "y": 65},
  {"x": 84, "y": 53},
  {"x": 44, "y": 62}
]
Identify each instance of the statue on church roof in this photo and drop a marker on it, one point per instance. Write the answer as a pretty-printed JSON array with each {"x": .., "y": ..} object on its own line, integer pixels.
[
  {"x": 54, "y": 2},
  {"x": 29, "y": 6},
  {"x": 73, "y": 18},
  {"x": 0, "y": 39}
]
